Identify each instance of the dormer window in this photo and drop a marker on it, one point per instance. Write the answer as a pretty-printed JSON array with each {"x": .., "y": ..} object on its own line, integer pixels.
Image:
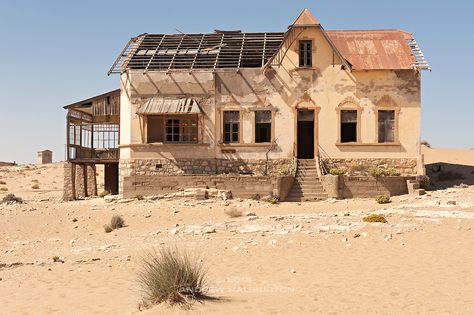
[{"x": 306, "y": 53}]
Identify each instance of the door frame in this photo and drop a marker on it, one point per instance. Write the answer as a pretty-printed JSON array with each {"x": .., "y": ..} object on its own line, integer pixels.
[{"x": 315, "y": 110}]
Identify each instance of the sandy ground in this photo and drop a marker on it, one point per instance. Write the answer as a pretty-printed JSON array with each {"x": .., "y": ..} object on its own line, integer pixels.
[{"x": 288, "y": 259}]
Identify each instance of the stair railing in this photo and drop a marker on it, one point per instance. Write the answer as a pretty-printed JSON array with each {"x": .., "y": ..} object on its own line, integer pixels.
[{"x": 322, "y": 157}]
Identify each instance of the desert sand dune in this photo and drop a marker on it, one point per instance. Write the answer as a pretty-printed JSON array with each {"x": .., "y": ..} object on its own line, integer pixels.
[{"x": 308, "y": 258}]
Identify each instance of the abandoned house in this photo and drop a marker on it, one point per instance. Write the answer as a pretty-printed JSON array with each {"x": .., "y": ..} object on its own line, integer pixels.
[{"x": 259, "y": 114}]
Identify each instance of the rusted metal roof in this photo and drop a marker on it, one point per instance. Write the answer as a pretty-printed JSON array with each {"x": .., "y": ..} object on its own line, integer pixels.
[
  {"x": 375, "y": 49},
  {"x": 161, "y": 105}
]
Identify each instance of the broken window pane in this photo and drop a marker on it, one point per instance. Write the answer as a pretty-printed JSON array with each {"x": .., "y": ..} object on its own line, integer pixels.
[
  {"x": 386, "y": 126},
  {"x": 348, "y": 126},
  {"x": 263, "y": 126},
  {"x": 231, "y": 126}
]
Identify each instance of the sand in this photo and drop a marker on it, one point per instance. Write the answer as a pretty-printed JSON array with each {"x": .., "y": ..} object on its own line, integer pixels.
[{"x": 291, "y": 258}]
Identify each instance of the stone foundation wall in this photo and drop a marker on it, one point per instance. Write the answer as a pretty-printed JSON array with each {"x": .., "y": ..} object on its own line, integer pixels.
[
  {"x": 240, "y": 186},
  {"x": 369, "y": 187},
  {"x": 168, "y": 167},
  {"x": 79, "y": 181},
  {"x": 359, "y": 167}
]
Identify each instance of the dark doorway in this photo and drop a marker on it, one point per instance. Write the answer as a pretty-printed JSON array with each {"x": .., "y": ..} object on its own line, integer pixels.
[
  {"x": 111, "y": 179},
  {"x": 305, "y": 134}
]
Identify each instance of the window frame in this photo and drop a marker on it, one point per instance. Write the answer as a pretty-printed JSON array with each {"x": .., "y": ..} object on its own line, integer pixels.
[
  {"x": 181, "y": 126},
  {"x": 304, "y": 64},
  {"x": 349, "y": 107},
  {"x": 239, "y": 132},
  {"x": 396, "y": 135},
  {"x": 272, "y": 125}
]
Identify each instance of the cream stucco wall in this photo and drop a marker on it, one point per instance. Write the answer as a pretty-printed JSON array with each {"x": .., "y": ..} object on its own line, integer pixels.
[{"x": 324, "y": 87}]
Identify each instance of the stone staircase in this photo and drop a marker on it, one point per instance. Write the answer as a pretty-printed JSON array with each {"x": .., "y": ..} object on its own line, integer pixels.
[{"x": 306, "y": 186}]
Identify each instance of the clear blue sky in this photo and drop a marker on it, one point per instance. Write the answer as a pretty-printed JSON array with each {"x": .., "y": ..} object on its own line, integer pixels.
[{"x": 54, "y": 53}]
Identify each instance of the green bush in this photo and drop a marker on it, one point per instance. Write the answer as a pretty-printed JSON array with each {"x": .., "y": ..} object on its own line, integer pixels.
[
  {"x": 393, "y": 172},
  {"x": 171, "y": 276},
  {"x": 377, "y": 171},
  {"x": 382, "y": 199},
  {"x": 274, "y": 200},
  {"x": 337, "y": 171},
  {"x": 374, "y": 218}
]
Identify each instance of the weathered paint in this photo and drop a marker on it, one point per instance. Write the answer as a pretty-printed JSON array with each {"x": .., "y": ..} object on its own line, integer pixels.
[{"x": 325, "y": 87}]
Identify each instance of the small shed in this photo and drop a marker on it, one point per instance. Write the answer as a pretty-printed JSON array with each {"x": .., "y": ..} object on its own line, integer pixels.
[{"x": 45, "y": 157}]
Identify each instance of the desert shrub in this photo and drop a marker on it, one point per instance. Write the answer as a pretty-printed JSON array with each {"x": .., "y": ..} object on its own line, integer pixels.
[
  {"x": 393, "y": 172},
  {"x": 3, "y": 189},
  {"x": 11, "y": 198},
  {"x": 103, "y": 193},
  {"x": 337, "y": 171},
  {"x": 424, "y": 181},
  {"x": 108, "y": 228},
  {"x": 357, "y": 167},
  {"x": 274, "y": 200},
  {"x": 117, "y": 222},
  {"x": 233, "y": 212},
  {"x": 382, "y": 199},
  {"x": 374, "y": 218},
  {"x": 56, "y": 259},
  {"x": 2, "y": 182},
  {"x": 35, "y": 186},
  {"x": 256, "y": 197},
  {"x": 449, "y": 175},
  {"x": 426, "y": 143},
  {"x": 377, "y": 171},
  {"x": 171, "y": 276},
  {"x": 139, "y": 197}
]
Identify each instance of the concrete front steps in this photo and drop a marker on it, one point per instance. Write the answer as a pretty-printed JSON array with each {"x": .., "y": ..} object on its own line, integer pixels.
[{"x": 306, "y": 186}]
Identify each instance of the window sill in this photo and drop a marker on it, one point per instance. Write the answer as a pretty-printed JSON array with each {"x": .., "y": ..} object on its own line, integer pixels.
[
  {"x": 360, "y": 144},
  {"x": 254, "y": 145},
  {"x": 305, "y": 68},
  {"x": 161, "y": 144}
]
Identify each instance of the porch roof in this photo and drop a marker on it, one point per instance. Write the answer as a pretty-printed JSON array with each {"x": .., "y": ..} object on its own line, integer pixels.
[{"x": 159, "y": 105}]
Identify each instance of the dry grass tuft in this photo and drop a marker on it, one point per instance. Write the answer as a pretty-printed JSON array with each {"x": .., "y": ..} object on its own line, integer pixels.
[
  {"x": 171, "y": 276},
  {"x": 375, "y": 218},
  {"x": 11, "y": 198},
  {"x": 2, "y": 182},
  {"x": 382, "y": 199},
  {"x": 337, "y": 171},
  {"x": 117, "y": 222},
  {"x": 233, "y": 213},
  {"x": 3, "y": 189},
  {"x": 103, "y": 193}
]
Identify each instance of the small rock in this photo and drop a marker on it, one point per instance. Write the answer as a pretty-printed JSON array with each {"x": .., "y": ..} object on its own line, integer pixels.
[
  {"x": 293, "y": 271},
  {"x": 344, "y": 239},
  {"x": 451, "y": 202},
  {"x": 208, "y": 230},
  {"x": 399, "y": 231},
  {"x": 356, "y": 235},
  {"x": 250, "y": 214},
  {"x": 388, "y": 237}
]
